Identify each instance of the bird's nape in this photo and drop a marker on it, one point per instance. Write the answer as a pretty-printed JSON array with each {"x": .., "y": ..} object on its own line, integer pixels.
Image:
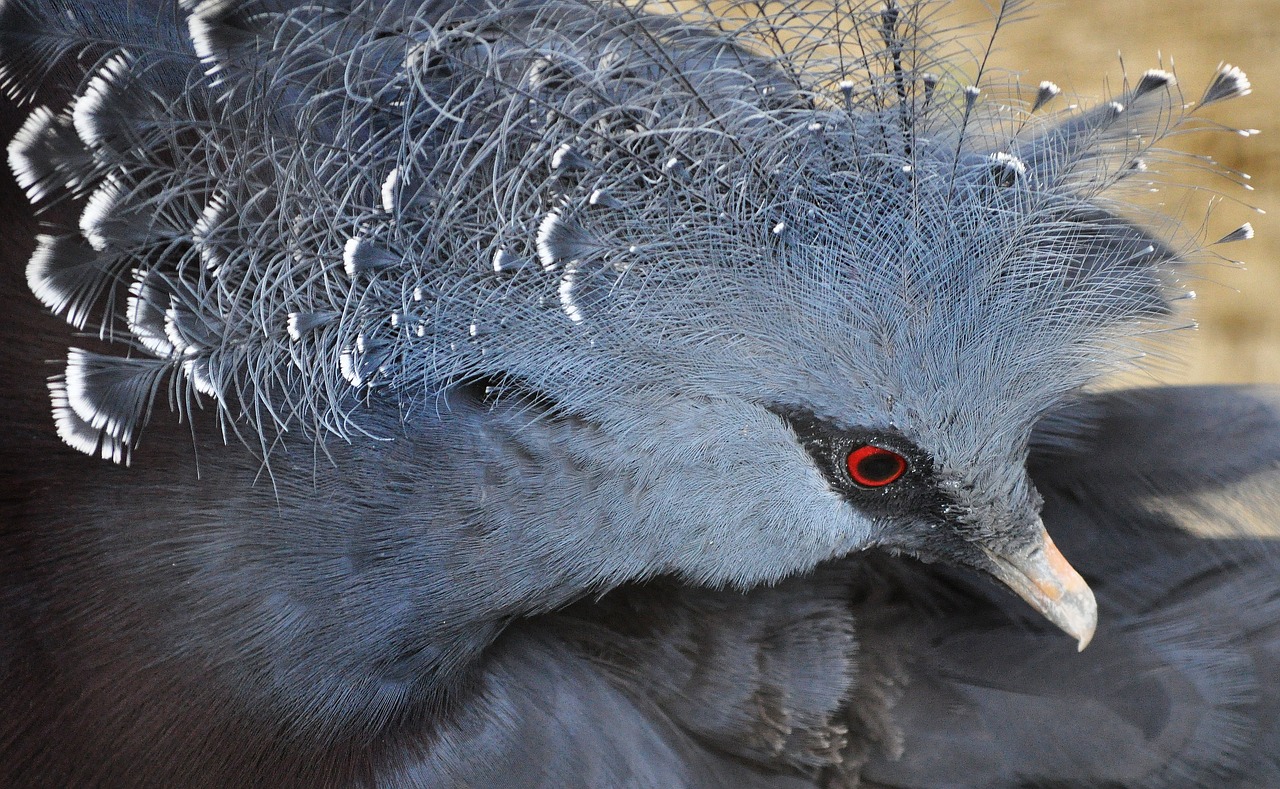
[{"x": 560, "y": 394}]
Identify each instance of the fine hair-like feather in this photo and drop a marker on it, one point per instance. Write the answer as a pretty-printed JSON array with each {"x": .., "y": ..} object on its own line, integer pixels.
[{"x": 292, "y": 211}]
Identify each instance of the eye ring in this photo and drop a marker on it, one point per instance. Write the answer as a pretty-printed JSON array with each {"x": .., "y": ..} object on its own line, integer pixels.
[{"x": 874, "y": 467}]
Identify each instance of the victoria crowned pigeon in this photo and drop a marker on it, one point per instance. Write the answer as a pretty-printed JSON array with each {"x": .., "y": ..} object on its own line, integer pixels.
[{"x": 506, "y": 394}]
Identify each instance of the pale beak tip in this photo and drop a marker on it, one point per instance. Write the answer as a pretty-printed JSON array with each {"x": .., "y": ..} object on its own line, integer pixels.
[{"x": 1084, "y": 635}]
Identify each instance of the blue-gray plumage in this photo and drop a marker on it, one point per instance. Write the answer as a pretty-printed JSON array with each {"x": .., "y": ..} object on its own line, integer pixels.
[{"x": 544, "y": 374}]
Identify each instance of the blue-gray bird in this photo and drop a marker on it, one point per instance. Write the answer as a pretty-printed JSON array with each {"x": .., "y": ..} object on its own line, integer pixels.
[{"x": 511, "y": 393}]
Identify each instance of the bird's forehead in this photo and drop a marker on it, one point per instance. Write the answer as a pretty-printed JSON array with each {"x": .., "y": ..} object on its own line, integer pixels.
[{"x": 859, "y": 338}]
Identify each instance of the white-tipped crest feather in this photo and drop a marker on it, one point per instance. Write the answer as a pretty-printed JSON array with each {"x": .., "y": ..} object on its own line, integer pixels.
[{"x": 714, "y": 211}]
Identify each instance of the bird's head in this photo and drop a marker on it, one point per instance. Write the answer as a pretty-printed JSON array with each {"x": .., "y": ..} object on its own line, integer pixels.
[
  {"x": 837, "y": 329},
  {"x": 861, "y": 364}
]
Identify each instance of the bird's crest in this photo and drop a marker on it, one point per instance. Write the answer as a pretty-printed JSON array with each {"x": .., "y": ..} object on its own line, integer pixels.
[{"x": 291, "y": 212}]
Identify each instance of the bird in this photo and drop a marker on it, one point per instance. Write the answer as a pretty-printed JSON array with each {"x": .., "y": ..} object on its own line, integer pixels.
[{"x": 569, "y": 393}]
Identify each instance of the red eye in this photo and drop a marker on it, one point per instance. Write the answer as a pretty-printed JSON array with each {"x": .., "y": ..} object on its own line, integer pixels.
[{"x": 873, "y": 467}]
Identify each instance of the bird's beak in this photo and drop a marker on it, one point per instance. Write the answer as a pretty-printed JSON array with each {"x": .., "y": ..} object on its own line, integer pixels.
[{"x": 1043, "y": 578}]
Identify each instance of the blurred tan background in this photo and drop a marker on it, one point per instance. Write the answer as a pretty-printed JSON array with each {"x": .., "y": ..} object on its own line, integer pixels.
[{"x": 1078, "y": 44}]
